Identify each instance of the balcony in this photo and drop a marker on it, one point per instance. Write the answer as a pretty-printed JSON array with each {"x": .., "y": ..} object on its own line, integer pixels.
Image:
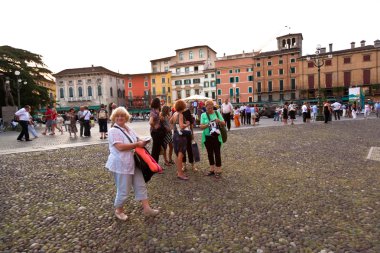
[{"x": 183, "y": 73}]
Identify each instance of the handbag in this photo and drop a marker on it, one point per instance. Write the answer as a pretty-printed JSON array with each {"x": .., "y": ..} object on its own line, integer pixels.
[
  {"x": 223, "y": 131},
  {"x": 195, "y": 149},
  {"x": 144, "y": 161}
]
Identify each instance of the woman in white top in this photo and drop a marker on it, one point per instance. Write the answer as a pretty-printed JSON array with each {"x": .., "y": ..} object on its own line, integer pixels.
[{"x": 122, "y": 165}]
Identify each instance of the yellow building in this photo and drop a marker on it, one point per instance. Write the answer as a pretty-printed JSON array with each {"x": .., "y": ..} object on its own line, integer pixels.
[
  {"x": 52, "y": 89},
  {"x": 161, "y": 87}
]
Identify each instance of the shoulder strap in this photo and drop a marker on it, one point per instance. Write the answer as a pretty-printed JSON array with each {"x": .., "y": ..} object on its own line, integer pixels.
[
  {"x": 130, "y": 140},
  {"x": 208, "y": 116}
]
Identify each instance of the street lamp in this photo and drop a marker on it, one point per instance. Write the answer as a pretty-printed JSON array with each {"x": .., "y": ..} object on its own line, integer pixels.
[
  {"x": 318, "y": 61},
  {"x": 18, "y": 86}
]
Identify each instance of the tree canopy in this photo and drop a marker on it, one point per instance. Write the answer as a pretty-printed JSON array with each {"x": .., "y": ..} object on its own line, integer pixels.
[{"x": 32, "y": 70}]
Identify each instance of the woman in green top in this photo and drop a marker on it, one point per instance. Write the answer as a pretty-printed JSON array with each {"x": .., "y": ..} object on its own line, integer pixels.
[{"x": 211, "y": 138}]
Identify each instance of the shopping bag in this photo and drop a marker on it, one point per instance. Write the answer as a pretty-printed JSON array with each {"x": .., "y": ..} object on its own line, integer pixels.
[{"x": 196, "y": 155}]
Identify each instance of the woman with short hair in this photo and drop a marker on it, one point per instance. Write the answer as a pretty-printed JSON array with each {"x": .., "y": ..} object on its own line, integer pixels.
[
  {"x": 211, "y": 121},
  {"x": 122, "y": 142}
]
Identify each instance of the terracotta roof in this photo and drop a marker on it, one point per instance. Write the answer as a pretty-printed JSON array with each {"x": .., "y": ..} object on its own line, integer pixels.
[
  {"x": 195, "y": 47},
  {"x": 160, "y": 73},
  {"x": 350, "y": 50},
  {"x": 277, "y": 52},
  {"x": 161, "y": 59},
  {"x": 89, "y": 70},
  {"x": 187, "y": 63},
  {"x": 138, "y": 74},
  {"x": 237, "y": 56}
]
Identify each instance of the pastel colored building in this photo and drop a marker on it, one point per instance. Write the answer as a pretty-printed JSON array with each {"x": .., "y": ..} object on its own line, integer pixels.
[
  {"x": 161, "y": 86},
  {"x": 138, "y": 90},
  {"x": 234, "y": 75},
  {"x": 209, "y": 83},
  {"x": 89, "y": 86},
  {"x": 357, "y": 66}
]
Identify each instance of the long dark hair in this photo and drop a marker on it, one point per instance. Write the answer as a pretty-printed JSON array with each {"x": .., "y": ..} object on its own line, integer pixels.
[{"x": 156, "y": 104}]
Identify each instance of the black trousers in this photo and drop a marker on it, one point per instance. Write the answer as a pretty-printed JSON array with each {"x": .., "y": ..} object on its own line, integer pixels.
[
  {"x": 213, "y": 150},
  {"x": 87, "y": 127},
  {"x": 189, "y": 150},
  {"x": 248, "y": 116},
  {"x": 327, "y": 116},
  {"x": 227, "y": 119},
  {"x": 242, "y": 118},
  {"x": 158, "y": 141},
  {"x": 304, "y": 114},
  {"x": 81, "y": 128},
  {"x": 24, "y": 131}
]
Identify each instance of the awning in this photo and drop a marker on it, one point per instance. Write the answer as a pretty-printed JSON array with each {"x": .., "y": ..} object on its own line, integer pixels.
[
  {"x": 94, "y": 107},
  {"x": 138, "y": 110}
]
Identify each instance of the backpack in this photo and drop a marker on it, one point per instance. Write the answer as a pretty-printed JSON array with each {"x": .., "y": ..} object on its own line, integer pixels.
[{"x": 102, "y": 114}]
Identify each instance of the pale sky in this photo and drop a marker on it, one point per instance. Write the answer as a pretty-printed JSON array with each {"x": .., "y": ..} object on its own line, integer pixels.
[{"x": 124, "y": 35}]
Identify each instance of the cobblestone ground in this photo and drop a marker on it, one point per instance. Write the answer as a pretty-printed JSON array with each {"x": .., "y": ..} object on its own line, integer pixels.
[{"x": 302, "y": 188}]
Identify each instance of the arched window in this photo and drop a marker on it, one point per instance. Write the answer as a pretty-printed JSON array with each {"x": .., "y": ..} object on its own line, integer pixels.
[
  {"x": 89, "y": 91},
  {"x": 111, "y": 92},
  {"x": 99, "y": 90},
  {"x": 71, "y": 92},
  {"x": 61, "y": 93},
  {"x": 80, "y": 92},
  {"x": 283, "y": 43}
]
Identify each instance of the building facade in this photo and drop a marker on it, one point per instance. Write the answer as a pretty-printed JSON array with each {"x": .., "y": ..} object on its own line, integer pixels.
[
  {"x": 51, "y": 86},
  {"x": 261, "y": 77},
  {"x": 235, "y": 78},
  {"x": 209, "y": 83},
  {"x": 161, "y": 87},
  {"x": 138, "y": 90},
  {"x": 188, "y": 68},
  {"x": 341, "y": 70},
  {"x": 89, "y": 86}
]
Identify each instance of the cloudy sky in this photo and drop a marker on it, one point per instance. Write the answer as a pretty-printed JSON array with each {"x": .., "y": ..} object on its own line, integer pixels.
[{"x": 125, "y": 35}]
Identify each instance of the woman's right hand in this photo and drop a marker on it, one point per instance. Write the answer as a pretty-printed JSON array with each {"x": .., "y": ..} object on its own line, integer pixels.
[{"x": 140, "y": 144}]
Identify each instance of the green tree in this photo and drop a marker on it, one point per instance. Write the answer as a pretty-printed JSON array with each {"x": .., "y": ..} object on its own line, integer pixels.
[{"x": 32, "y": 70}]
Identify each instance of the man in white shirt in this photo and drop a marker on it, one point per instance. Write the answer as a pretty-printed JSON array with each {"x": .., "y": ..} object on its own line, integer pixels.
[
  {"x": 227, "y": 110},
  {"x": 304, "y": 112},
  {"x": 336, "y": 108},
  {"x": 23, "y": 119}
]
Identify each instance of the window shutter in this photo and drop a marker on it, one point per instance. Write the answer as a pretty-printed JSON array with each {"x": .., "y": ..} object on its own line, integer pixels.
[
  {"x": 366, "y": 76},
  {"x": 311, "y": 81},
  {"x": 328, "y": 80},
  {"x": 347, "y": 79}
]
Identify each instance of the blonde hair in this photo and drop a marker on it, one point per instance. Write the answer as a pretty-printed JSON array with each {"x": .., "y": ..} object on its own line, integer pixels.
[{"x": 120, "y": 111}]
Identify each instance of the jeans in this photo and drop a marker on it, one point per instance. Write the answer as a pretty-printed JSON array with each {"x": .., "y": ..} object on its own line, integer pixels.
[
  {"x": 337, "y": 114},
  {"x": 158, "y": 141},
  {"x": 124, "y": 183}
]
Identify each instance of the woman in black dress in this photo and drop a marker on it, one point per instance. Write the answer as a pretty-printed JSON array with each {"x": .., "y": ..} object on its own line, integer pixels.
[
  {"x": 285, "y": 113},
  {"x": 326, "y": 111}
]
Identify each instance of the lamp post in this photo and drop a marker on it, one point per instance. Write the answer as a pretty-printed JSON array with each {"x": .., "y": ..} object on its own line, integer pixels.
[
  {"x": 19, "y": 83},
  {"x": 319, "y": 60}
]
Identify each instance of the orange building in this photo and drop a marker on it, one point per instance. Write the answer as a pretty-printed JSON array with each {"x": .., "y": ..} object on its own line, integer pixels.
[
  {"x": 138, "y": 90},
  {"x": 234, "y": 78},
  {"x": 341, "y": 70},
  {"x": 261, "y": 77}
]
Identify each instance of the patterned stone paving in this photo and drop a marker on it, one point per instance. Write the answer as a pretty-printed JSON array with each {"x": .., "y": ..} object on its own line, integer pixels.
[{"x": 374, "y": 154}]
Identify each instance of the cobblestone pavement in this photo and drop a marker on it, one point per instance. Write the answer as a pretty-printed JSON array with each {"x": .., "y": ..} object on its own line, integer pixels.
[
  {"x": 9, "y": 145},
  {"x": 302, "y": 188}
]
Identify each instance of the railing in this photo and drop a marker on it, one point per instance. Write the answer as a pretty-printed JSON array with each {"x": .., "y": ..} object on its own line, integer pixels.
[{"x": 74, "y": 99}]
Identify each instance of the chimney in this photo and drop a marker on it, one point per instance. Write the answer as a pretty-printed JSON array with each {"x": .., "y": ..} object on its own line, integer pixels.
[
  {"x": 323, "y": 50},
  {"x": 377, "y": 43},
  {"x": 352, "y": 45},
  {"x": 330, "y": 47},
  {"x": 362, "y": 43}
]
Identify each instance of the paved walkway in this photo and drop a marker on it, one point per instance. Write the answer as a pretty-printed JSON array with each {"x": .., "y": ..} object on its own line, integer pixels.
[{"x": 9, "y": 145}]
